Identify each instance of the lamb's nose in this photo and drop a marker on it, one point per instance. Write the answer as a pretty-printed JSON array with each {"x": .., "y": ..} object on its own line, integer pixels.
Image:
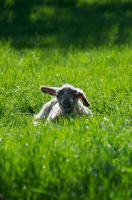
[{"x": 66, "y": 103}]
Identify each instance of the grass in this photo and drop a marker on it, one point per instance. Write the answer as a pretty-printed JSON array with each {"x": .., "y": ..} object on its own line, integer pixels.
[{"x": 81, "y": 158}]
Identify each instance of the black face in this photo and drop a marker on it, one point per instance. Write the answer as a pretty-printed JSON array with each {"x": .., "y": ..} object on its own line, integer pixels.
[{"x": 67, "y": 99}]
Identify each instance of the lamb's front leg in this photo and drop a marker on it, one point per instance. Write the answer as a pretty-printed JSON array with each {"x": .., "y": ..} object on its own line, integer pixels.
[
  {"x": 44, "y": 112},
  {"x": 55, "y": 113}
]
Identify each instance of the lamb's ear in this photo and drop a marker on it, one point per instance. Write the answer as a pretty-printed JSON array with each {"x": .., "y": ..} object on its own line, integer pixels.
[
  {"x": 82, "y": 96},
  {"x": 49, "y": 90}
]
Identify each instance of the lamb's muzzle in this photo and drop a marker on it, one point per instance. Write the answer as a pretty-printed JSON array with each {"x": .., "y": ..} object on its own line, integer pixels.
[{"x": 66, "y": 102}]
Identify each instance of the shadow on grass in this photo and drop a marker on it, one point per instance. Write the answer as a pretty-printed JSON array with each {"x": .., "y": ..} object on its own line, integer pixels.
[{"x": 65, "y": 23}]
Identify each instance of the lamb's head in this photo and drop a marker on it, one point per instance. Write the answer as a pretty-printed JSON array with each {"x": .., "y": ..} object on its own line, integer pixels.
[{"x": 67, "y": 97}]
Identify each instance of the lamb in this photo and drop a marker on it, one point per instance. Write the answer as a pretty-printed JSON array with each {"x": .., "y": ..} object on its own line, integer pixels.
[{"x": 66, "y": 102}]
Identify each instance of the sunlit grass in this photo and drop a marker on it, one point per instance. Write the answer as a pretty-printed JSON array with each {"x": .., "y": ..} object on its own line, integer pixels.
[{"x": 80, "y": 158}]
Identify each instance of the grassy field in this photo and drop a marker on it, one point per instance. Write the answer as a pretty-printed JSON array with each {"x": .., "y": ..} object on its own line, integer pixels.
[{"x": 84, "y": 43}]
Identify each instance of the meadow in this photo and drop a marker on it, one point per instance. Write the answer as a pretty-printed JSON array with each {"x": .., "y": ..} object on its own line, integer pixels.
[{"x": 84, "y": 43}]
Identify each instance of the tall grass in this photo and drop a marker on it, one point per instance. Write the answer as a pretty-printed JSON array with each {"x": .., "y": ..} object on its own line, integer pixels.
[{"x": 81, "y": 158}]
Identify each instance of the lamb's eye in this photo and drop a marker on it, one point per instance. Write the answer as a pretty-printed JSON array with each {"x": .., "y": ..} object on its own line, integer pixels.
[
  {"x": 60, "y": 93},
  {"x": 75, "y": 96}
]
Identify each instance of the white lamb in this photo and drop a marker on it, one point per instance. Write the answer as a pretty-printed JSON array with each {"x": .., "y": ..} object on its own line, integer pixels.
[{"x": 66, "y": 102}]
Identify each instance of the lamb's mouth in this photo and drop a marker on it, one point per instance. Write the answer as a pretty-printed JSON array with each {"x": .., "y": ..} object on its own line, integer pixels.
[
  {"x": 68, "y": 110},
  {"x": 67, "y": 106}
]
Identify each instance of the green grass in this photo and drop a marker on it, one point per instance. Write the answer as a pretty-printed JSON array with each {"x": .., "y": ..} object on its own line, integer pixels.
[{"x": 81, "y": 158}]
